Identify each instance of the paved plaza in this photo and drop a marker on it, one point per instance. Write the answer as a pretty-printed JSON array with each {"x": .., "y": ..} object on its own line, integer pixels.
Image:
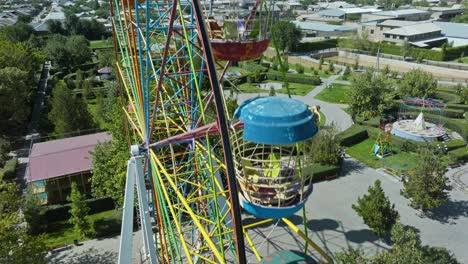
[{"x": 334, "y": 225}]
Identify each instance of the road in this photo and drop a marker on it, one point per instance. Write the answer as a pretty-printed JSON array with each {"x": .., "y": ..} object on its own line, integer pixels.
[{"x": 33, "y": 127}]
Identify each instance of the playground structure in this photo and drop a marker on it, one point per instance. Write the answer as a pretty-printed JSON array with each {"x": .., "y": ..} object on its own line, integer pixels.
[
  {"x": 413, "y": 120},
  {"x": 190, "y": 186},
  {"x": 382, "y": 146}
]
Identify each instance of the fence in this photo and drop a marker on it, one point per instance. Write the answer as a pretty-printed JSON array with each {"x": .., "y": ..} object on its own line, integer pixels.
[{"x": 334, "y": 52}]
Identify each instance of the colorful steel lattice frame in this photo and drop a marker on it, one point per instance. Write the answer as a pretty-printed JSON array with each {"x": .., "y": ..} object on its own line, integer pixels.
[{"x": 170, "y": 87}]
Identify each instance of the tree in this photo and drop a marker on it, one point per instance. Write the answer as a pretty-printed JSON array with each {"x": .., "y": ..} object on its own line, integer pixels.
[
  {"x": 351, "y": 256},
  {"x": 20, "y": 32},
  {"x": 79, "y": 211},
  {"x": 69, "y": 113},
  {"x": 426, "y": 185},
  {"x": 406, "y": 248},
  {"x": 370, "y": 94},
  {"x": 33, "y": 211},
  {"x": 17, "y": 246},
  {"x": 376, "y": 210},
  {"x": 286, "y": 35},
  {"x": 386, "y": 70},
  {"x": 320, "y": 63},
  {"x": 347, "y": 71},
  {"x": 325, "y": 146},
  {"x": 331, "y": 67},
  {"x": 106, "y": 58},
  {"x": 78, "y": 47},
  {"x": 68, "y": 52},
  {"x": 306, "y": 3},
  {"x": 71, "y": 23},
  {"x": 405, "y": 49},
  {"x": 55, "y": 26},
  {"x": 110, "y": 160},
  {"x": 14, "y": 99},
  {"x": 86, "y": 90},
  {"x": 56, "y": 50},
  {"x": 90, "y": 29}
]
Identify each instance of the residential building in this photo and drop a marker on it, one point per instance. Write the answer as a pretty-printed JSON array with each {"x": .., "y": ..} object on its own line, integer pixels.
[
  {"x": 456, "y": 33},
  {"x": 445, "y": 13},
  {"x": 54, "y": 165},
  {"x": 420, "y": 35}
]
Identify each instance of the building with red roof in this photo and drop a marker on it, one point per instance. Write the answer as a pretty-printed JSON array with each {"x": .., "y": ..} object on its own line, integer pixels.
[{"x": 54, "y": 165}]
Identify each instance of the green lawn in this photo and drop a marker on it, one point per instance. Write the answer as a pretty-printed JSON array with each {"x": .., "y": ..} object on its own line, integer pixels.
[
  {"x": 323, "y": 119},
  {"x": 101, "y": 44},
  {"x": 463, "y": 60},
  {"x": 398, "y": 161},
  {"x": 295, "y": 88},
  {"x": 338, "y": 93},
  {"x": 106, "y": 224}
]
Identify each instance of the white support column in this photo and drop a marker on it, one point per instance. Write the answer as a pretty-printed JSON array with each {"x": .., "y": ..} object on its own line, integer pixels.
[
  {"x": 126, "y": 238},
  {"x": 135, "y": 178}
]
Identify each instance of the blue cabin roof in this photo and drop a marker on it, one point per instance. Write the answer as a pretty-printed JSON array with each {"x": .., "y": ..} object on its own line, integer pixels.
[{"x": 276, "y": 120}]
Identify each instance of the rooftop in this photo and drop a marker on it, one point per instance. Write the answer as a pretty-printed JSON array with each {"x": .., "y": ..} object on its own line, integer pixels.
[
  {"x": 401, "y": 13},
  {"x": 62, "y": 157},
  {"x": 332, "y": 12},
  {"x": 398, "y": 23},
  {"x": 414, "y": 29},
  {"x": 322, "y": 26},
  {"x": 454, "y": 30}
]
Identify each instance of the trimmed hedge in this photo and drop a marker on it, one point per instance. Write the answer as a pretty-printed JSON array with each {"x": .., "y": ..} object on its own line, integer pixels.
[
  {"x": 459, "y": 155},
  {"x": 393, "y": 49},
  {"x": 318, "y": 45},
  {"x": 373, "y": 122},
  {"x": 453, "y": 53},
  {"x": 324, "y": 172},
  {"x": 455, "y": 144},
  {"x": 8, "y": 171},
  {"x": 463, "y": 107},
  {"x": 60, "y": 212},
  {"x": 454, "y": 113},
  {"x": 353, "y": 135},
  {"x": 295, "y": 78},
  {"x": 253, "y": 67},
  {"x": 447, "y": 97}
]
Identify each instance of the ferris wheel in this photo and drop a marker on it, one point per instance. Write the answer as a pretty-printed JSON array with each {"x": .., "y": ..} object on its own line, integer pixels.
[{"x": 195, "y": 166}]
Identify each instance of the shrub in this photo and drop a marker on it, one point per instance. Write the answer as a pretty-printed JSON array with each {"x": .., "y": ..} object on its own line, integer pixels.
[
  {"x": 299, "y": 68},
  {"x": 315, "y": 72},
  {"x": 325, "y": 147},
  {"x": 55, "y": 213}
]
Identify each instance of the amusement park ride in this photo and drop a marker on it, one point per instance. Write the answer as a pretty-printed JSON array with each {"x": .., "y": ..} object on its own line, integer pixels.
[{"x": 193, "y": 164}]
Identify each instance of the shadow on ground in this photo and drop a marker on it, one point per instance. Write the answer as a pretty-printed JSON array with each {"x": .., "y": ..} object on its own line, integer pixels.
[
  {"x": 91, "y": 255},
  {"x": 351, "y": 165},
  {"x": 449, "y": 211}
]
